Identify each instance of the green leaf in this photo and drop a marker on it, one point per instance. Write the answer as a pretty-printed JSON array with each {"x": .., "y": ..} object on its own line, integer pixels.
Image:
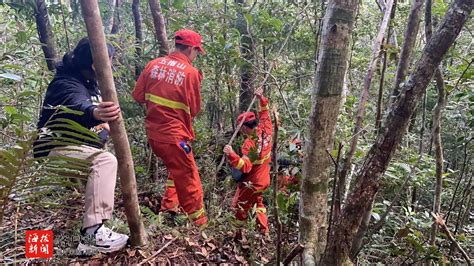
[
  {"x": 66, "y": 110},
  {"x": 281, "y": 201},
  {"x": 11, "y": 110},
  {"x": 77, "y": 135},
  {"x": 178, "y": 4},
  {"x": 405, "y": 167},
  {"x": 11, "y": 76},
  {"x": 277, "y": 24},
  {"x": 21, "y": 37},
  {"x": 249, "y": 18},
  {"x": 4, "y": 182}
]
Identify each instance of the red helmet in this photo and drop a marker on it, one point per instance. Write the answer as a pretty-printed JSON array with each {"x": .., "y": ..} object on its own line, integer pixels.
[{"x": 249, "y": 116}]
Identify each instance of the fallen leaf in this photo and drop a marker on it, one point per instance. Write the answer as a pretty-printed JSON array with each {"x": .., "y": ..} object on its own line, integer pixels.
[
  {"x": 212, "y": 246},
  {"x": 142, "y": 253},
  {"x": 240, "y": 259},
  {"x": 131, "y": 252},
  {"x": 204, "y": 251},
  {"x": 168, "y": 237}
]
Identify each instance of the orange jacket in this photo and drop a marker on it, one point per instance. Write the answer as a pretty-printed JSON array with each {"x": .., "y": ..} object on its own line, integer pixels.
[
  {"x": 256, "y": 149},
  {"x": 171, "y": 89}
]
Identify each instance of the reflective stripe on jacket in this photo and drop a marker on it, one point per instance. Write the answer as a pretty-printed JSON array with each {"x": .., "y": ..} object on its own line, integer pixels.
[
  {"x": 171, "y": 89},
  {"x": 256, "y": 151}
]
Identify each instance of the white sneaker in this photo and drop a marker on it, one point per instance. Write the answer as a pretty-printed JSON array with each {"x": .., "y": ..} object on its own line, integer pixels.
[{"x": 104, "y": 240}]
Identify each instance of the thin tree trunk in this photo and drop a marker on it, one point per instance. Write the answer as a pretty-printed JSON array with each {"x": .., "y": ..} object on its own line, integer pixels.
[
  {"x": 466, "y": 160},
  {"x": 378, "y": 116},
  {"x": 110, "y": 22},
  {"x": 411, "y": 32},
  {"x": 414, "y": 195},
  {"x": 275, "y": 187},
  {"x": 436, "y": 128},
  {"x": 137, "y": 18},
  {"x": 247, "y": 50},
  {"x": 45, "y": 34},
  {"x": 228, "y": 75},
  {"x": 364, "y": 96},
  {"x": 327, "y": 99},
  {"x": 364, "y": 225},
  {"x": 377, "y": 159},
  {"x": 160, "y": 27},
  {"x": 91, "y": 13},
  {"x": 116, "y": 23},
  {"x": 66, "y": 33}
]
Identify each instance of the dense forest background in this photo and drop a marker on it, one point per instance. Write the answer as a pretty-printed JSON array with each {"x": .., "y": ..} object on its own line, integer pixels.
[{"x": 248, "y": 42}]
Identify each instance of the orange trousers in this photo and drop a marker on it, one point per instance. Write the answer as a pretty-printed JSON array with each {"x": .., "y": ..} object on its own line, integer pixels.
[
  {"x": 183, "y": 187},
  {"x": 249, "y": 193}
]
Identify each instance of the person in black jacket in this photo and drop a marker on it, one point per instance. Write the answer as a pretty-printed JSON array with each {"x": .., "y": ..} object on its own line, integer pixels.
[{"x": 75, "y": 87}]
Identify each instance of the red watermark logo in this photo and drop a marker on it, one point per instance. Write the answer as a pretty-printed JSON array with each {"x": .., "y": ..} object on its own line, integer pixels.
[{"x": 39, "y": 244}]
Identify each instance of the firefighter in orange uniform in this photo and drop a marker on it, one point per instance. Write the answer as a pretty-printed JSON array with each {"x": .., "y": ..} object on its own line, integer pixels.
[
  {"x": 171, "y": 89},
  {"x": 290, "y": 178},
  {"x": 254, "y": 165}
]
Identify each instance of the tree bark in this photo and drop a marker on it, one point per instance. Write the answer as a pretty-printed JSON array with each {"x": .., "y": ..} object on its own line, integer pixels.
[
  {"x": 379, "y": 156},
  {"x": 116, "y": 24},
  {"x": 137, "y": 19},
  {"x": 364, "y": 96},
  {"x": 411, "y": 32},
  {"x": 247, "y": 51},
  {"x": 110, "y": 20},
  {"x": 45, "y": 34},
  {"x": 436, "y": 128},
  {"x": 160, "y": 27},
  {"x": 359, "y": 236},
  {"x": 327, "y": 99},
  {"x": 278, "y": 224},
  {"x": 390, "y": 33},
  {"x": 91, "y": 13}
]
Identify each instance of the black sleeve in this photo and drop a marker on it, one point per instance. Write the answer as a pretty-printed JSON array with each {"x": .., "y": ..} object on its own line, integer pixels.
[{"x": 76, "y": 97}]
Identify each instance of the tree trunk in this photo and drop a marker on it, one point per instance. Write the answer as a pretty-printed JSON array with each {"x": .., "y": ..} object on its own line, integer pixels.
[
  {"x": 327, "y": 99},
  {"x": 247, "y": 50},
  {"x": 137, "y": 19},
  {"x": 45, "y": 34},
  {"x": 436, "y": 128},
  {"x": 91, "y": 13},
  {"x": 116, "y": 24},
  {"x": 110, "y": 21},
  {"x": 411, "y": 32},
  {"x": 160, "y": 27},
  {"x": 278, "y": 224},
  {"x": 359, "y": 236},
  {"x": 379, "y": 156},
  {"x": 390, "y": 33},
  {"x": 436, "y": 133},
  {"x": 364, "y": 96}
]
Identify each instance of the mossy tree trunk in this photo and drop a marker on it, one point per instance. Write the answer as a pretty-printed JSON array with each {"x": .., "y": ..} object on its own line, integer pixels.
[{"x": 327, "y": 99}]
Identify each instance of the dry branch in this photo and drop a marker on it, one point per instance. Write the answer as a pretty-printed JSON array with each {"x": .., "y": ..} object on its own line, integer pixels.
[
  {"x": 158, "y": 251},
  {"x": 440, "y": 222},
  {"x": 293, "y": 253}
]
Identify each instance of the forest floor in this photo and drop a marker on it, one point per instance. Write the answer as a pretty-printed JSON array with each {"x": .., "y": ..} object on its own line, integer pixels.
[{"x": 183, "y": 244}]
